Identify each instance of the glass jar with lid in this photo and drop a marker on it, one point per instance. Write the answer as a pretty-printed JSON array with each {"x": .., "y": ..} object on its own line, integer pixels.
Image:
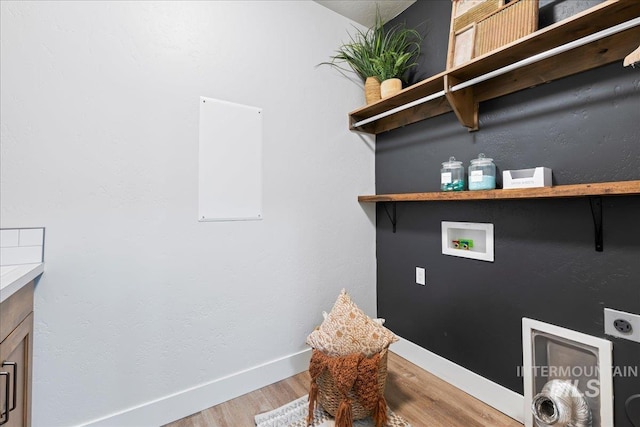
[
  {"x": 452, "y": 175},
  {"x": 482, "y": 173}
]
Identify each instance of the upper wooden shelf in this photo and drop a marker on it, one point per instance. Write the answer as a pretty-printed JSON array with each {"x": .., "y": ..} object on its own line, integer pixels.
[
  {"x": 465, "y": 102},
  {"x": 619, "y": 188}
]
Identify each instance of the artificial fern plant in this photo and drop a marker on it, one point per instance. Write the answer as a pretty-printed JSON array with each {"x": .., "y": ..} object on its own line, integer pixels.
[
  {"x": 378, "y": 52},
  {"x": 400, "y": 48}
]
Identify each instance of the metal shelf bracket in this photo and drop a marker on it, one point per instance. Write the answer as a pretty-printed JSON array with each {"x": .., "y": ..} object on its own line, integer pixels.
[
  {"x": 393, "y": 218},
  {"x": 596, "y": 213}
]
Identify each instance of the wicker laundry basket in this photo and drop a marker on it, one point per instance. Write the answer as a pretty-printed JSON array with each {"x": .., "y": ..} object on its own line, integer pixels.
[{"x": 330, "y": 397}]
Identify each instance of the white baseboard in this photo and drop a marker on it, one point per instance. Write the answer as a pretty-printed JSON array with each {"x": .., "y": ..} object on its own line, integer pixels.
[
  {"x": 196, "y": 399},
  {"x": 495, "y": 395}
]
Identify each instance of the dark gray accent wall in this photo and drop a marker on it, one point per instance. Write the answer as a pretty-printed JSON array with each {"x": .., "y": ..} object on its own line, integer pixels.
[{"x": 587, "y": 129}]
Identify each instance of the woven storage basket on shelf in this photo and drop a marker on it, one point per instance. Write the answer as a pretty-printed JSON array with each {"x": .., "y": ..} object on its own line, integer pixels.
[
  {"x": 488, "y": 26},
  {"x": 330, "y": 397},
  {"x": 513, "y": 21}
]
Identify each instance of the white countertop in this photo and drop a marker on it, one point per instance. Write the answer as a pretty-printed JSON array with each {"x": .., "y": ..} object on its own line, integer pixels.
[{"x": 14, "y": 277}]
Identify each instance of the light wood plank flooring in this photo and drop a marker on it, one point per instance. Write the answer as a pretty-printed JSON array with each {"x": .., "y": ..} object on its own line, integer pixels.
[{"x": 418, "y": 396}]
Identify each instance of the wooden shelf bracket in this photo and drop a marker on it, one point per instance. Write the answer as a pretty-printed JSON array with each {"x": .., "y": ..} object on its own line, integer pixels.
[{"x": 462, "y": 102}]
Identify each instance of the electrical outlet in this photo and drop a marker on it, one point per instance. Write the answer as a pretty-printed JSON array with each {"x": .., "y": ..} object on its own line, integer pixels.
[
  {"x": 622, "y": 325},
  {"x": 421, "y": 274}
]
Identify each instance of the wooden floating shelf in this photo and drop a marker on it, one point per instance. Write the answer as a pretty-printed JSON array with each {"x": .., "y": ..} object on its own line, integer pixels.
[
  {"x": 465, "y": 102},
  {"x": 619, "y": 188}
]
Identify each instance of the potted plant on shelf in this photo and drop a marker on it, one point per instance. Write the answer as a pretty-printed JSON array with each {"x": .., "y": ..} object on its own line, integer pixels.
[
  {"x": 401, "y": 46},
  {"x": 358, "y": 54},
  {"x": 378, "y": 54}
]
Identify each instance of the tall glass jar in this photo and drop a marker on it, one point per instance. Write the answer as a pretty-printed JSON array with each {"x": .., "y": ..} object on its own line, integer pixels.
[
  {"x": 482, "y": 173},
  {"x": 452, "y": 175}
]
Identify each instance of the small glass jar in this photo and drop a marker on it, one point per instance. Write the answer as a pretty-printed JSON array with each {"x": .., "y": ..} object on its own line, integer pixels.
[
  {"x": 452, "y": 175},
  {"x": 482, "y": 174}
]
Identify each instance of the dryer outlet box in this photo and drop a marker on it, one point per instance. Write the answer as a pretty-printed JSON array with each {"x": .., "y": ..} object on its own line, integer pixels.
[{"x": 622, "y": 325}]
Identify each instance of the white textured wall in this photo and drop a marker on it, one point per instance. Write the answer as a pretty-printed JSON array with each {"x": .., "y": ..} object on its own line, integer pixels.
[{"x": 99, "y": 116}]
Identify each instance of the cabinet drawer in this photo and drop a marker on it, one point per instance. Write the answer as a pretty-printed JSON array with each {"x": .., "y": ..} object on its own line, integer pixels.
[
  {"x": 17, "y": 350},
  {"x": 15, "y": 309}
]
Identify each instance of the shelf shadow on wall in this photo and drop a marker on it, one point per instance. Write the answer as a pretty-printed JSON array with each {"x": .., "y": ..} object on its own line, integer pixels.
[
  {"x": 369, "y": 141},
  {"x": 569, "y": 95},
  {"x": 442, "y": 127}
]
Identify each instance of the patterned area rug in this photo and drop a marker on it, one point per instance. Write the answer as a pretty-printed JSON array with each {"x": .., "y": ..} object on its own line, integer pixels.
[{"x": 294, "y": 414}]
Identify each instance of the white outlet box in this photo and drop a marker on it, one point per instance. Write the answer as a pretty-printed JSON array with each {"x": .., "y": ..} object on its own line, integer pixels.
[
  {"x": 421, "y": 276},
  {"x": 468, "y": 240},
  {"x": 611, "y": 315}
]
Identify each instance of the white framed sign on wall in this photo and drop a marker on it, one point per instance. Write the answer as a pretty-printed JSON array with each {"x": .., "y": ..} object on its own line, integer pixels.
[{"x": 229, "y": 161}]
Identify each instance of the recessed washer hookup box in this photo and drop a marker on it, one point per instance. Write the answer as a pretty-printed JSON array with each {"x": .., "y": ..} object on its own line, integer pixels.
[{"x": 526, "y": 178}]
